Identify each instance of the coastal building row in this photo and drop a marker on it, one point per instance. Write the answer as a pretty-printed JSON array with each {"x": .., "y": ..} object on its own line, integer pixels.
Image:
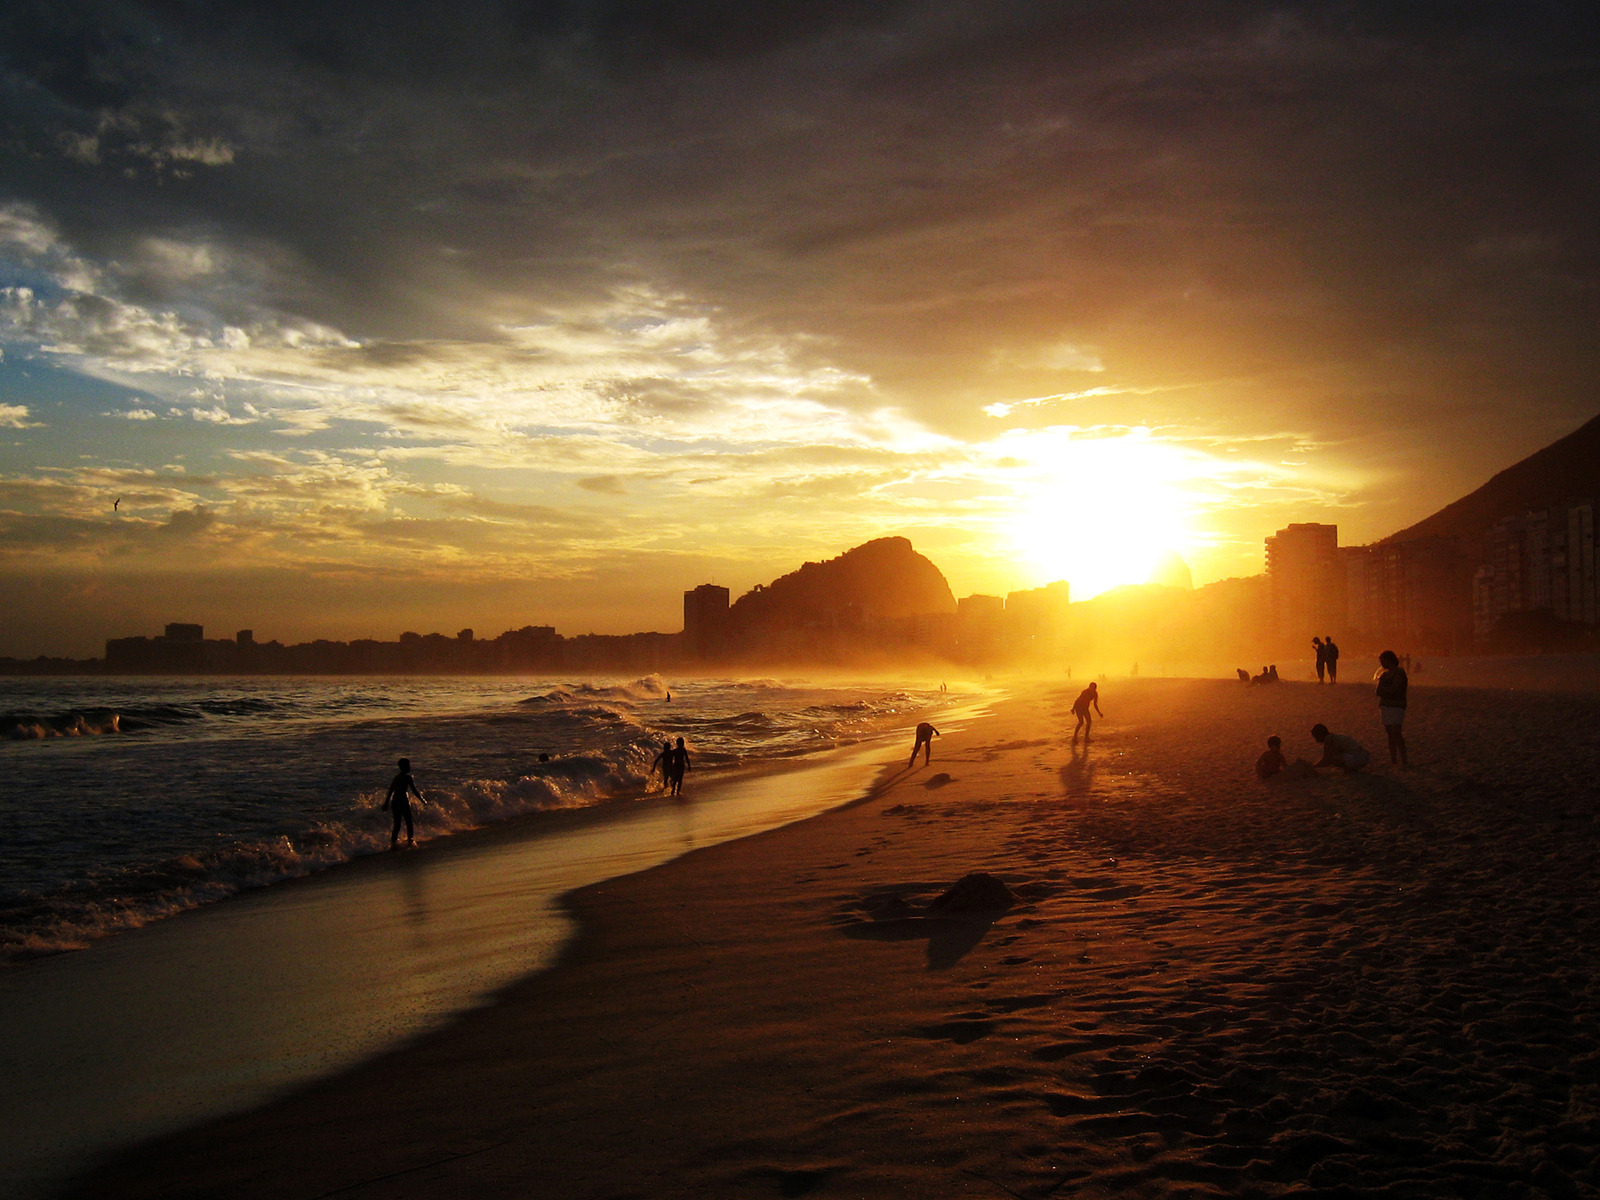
[{"x": 1435, "y": 593}]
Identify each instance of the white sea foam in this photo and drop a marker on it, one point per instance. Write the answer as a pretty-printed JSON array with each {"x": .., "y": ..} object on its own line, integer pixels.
[{"x": 189, "y": 792}]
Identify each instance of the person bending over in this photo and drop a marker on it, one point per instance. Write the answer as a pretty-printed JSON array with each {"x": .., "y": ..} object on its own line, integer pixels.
[
  {"x": 1339, "y": 750},
  {"x": 1080, "y": 709},
  {"x": 401, "y": 788},
  {"x": 925, "y": 735}
]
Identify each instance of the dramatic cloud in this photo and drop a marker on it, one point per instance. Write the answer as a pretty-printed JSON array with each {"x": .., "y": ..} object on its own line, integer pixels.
[{"x": 528, "y": 295}]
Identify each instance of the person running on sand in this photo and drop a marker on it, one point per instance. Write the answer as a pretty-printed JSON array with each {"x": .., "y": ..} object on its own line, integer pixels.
[
  {"x": 1392, "y": 686},
  {"x": 401, "y": 788},
  {"x": 663, "y": 761},
  {"x": 1080, "y": 709},
  {"x": 1322, "y": 657},
  {"x": 1339, "y": 750},
  {"x": 680, "y": 764},
  {"x": 925, "y": 735}
]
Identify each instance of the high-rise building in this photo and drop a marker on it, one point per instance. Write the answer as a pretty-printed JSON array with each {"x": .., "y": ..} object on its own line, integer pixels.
[
  {"x": 705, "y": 621},
  {"x": 1539, "y": 561},
  {"x": 1306, "y": 581},
  {"x": 1416, "y": 594}
]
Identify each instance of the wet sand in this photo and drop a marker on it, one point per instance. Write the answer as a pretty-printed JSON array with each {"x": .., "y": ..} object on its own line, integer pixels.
[{"x": 1384, "y": 984}]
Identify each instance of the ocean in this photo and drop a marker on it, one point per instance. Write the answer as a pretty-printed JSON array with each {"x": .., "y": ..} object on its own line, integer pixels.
[{"x": 130, "y": 799}]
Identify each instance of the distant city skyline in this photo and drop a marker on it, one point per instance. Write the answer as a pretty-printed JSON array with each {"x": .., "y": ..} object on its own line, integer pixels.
[{"x": 358, "y": 320}]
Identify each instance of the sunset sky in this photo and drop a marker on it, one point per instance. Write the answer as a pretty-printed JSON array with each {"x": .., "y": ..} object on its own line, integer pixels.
[{"x": 422, "y": 316}]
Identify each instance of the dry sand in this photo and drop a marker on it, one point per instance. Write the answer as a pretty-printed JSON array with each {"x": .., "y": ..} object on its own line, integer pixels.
[{"x": 1376, "y": 985}]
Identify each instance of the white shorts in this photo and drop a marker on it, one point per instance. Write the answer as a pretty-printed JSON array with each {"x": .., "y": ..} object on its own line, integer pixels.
[{"x": 1391, "y": 716}]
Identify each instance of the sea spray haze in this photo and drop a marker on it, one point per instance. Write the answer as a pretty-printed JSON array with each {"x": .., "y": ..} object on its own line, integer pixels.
[{"x": 128, "y": 800}]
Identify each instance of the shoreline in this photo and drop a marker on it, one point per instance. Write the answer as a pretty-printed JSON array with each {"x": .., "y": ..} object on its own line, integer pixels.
[
  {"x": 1208, "y": 986},
  {"x": 319, "y": 972}
]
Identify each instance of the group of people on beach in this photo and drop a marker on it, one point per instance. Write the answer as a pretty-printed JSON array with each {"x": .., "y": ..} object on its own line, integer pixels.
[
  {"x": 672, "y": 762},
  {"x": 1340, "y": 749}
]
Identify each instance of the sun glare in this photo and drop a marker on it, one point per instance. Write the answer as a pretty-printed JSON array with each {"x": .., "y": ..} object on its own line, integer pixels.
[{"x": 1098, "y": 511}]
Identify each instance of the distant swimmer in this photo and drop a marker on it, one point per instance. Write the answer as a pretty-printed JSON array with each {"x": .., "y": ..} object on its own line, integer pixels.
[
  {"x": 401, "y": 789},
  {"x": 925, "y": 735},
  {"x": 1080, "y": 709},
  {"x": 680, "y": 764},
  {"x": 1339, "y": 750},
  {"x": 664, "y": 763}
]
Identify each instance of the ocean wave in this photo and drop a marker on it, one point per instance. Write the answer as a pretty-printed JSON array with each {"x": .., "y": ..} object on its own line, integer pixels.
[
  {"x": 648, "y": 687},
  {"x": 77, "y": 722},
  {"x": 107, "y": 901}
]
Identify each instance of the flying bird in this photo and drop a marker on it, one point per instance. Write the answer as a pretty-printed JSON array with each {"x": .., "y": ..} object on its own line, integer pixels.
[{"x": 116, "y": 504}]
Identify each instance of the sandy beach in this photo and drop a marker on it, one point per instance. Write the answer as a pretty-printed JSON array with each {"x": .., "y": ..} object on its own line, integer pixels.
[{"x": 1383, "y": 984}]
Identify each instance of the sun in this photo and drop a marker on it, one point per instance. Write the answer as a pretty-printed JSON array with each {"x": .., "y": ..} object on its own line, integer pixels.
[{"x": 1098, "y": 510}]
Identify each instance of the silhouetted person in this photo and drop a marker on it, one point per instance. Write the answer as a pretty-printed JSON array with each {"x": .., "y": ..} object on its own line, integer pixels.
[
  {"x": 664, "y": 762},
  {"x": 1392, "y": 685},
  {"x": 1272, "y": 672},
  {"x": 925, "y": 735},
  {"x": 1271, "y": 760},
  {"x": 1244, "y": 676},
  {"x": 1080, "y": 709},
  {"x": 1339, "y": 750},
  {"x": 1322, "y": 657},
  {"x": 401, "y": 788},
  {"x": 1331, "y": 653},
  {"x": 680, "y": 764}
]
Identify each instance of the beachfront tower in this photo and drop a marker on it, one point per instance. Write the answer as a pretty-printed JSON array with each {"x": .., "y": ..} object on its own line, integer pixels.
[
  {"x": 705, "y": 621},
  {"x": 1305, "y": 579}
]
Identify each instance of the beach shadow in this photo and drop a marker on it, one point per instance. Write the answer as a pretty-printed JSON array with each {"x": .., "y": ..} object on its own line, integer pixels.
[
  {"x": 1077, "y": 773},
  {"x": 949, "y": 938},
  {"x": 886, "y": 916}
]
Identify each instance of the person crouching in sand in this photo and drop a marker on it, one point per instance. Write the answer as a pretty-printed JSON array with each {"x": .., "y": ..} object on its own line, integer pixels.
[
  {"x": 925, "y": 735},
  {"x": 1272, "y": 764},
  {"x": 1080, "y": 709},
  {"x": 1339, "y": 750},
  {"x": 401, "y": 788}
]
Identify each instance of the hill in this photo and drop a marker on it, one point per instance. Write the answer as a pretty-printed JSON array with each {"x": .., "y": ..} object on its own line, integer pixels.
[
  {"x": 882, "y": 578},
  {"x": 1563, "y": 470}
]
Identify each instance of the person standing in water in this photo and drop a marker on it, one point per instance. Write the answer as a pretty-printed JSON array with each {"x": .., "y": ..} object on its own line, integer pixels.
[
  {"x": 1080, "y": 709},
  {"x": 680, "y": 764},
  {"x": 663, "y": 762},
  {"x": 401, "y": 788},
  {"x": 1392, "y": 685},
  {"x": 925, "y": 735}
]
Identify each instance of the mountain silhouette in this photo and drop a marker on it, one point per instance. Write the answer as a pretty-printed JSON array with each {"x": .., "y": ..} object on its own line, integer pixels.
[
  {"x": 1564, "y": 470},
  {"x": 881, "y": 578}
]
